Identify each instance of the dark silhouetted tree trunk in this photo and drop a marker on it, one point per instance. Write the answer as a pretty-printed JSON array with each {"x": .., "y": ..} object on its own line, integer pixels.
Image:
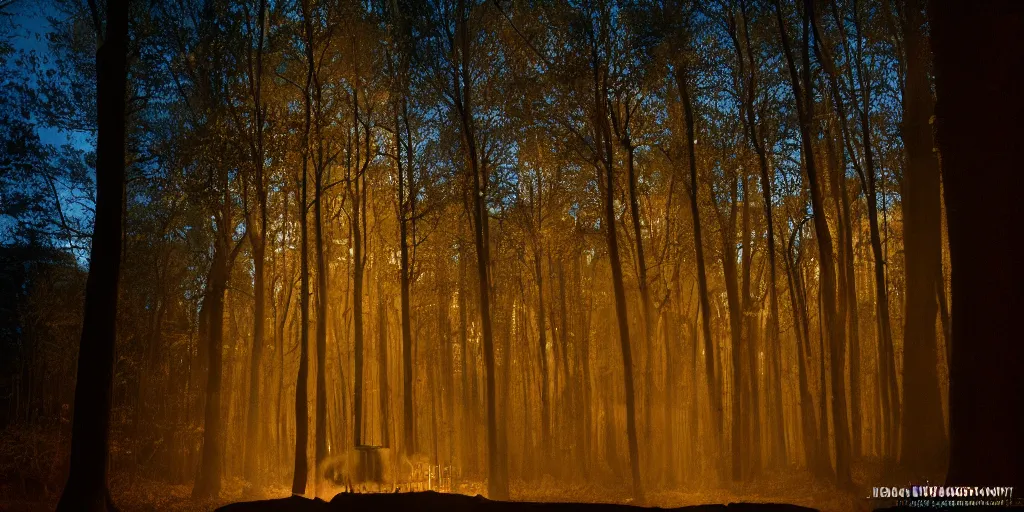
[
  {"x": 384, "y": 389},
  {"x": 208, "y": 478},
  {"x": 714, "y": 382},
  {"x": 322, "y": 289},
  {"x": 738, "y": 421},
  {"x": 749, "y": 117},
  {"x": 923, "y": 433},
  {"x": 978, "y": 113},
  {"x": 288, "y": 288},
  {"x": 408, "y": 440},
  {"x": 86, "y": 488},
  {"x": 357, "y": 189},
  {"x": 537, "y": 202},
  {"x": 623, "y": 133},
  {"x": 606, "y": 160},
  {"x": 467, "y": 416},
  {"x": 301, "y": 384},
  {"x": 256, "y": 231},
  {"x": 497, "y": 474},
  {"x": 812, "y": 457},
  {"x": 586, "y": 315},
  {"x": 542, "y": 351},
  {"x": 846, "y": 284},
  {"x": 753, "y": 414},
  {"x": 208, "y": 484},
  {"x": 404, "y": 162},
  {"x": 886, "y": 362},
  {"x": 803, "y": 94},
  {"x": 322, "y": 294}
]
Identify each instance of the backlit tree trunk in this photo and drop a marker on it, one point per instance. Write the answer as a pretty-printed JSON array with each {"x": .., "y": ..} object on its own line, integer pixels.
[
  {"x": 606, "y": 168},
  {"x": 257, "y": 242},
  {"x": 714, "y": 382},
  {"x": 497, "y": 474},
  {"x": 802, "y": 92},
  {"x": 301, "y": 470},
  {"x": 86, "y": 488},
  {"x": 866, "y": 172}
]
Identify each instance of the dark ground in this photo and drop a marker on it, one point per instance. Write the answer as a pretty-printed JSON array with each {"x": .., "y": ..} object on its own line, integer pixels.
[
  {"x": 430, "y": 501},
  {"x": 460, "y": 503}
]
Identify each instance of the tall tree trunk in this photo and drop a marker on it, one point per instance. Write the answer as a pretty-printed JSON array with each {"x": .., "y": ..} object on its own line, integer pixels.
[
  {"x": 301, "y": 470},
  {"x": 322, "y": 295},
  {"x": 542, "y": 353},
  {"x": 257, "y": 242},
  {"x": 279, "y": 348},
  {"x": 207, "y": 484},
  {"x": 252, "y": 443},
  {"x": 289, "y": 288},
  {"x": 853, "y": 317},
  {"x": 566, "y": 389},
  {"x": 408, "y": 440},
  {"x": 889, "y": 377},
  {"x": 738, "y": 421},
  {"x": 406, "y": 216},
  {"x": 497, "y": 477},
  {"x": 301, "y": 401},
  {"x": 528, "y": 464},
  {"x": 714, "y": 382},
  {"x": 341, "y": 323},
  {"x": 823, "y": 384},
  {"x": 672, "y": 371},
  {"x": 208, "y": 478},
  {"x": 447, "y": 366},
  {"x": 805, "y": 104},
  {"x": 812, "y": 458},
  {"x": 641, "y": 265},
  {"x": 940, "y": 290},
  {"x": 384, "y": 388},
  {"x": 584, "y": 337},
  {"x": 978, "y": 113},
  {"x": 753, "y": 414},
  {"x": 606, "y": 160},
  {"x": 358, "y": 191},
  {"x": 887, "y": 365},
  {"x": 86, "y": 488},
  {"x": 923, "y": 434},
  {"x": 847, "y": 285},
  {"x": 537, "y": 200},
  {"x": 887, "y": 361},
  {"x": 754, "y": 137},
  {"x": 467, "y": 434}
]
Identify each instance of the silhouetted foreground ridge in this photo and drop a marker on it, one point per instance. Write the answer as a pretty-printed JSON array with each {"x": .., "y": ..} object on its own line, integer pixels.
[{"x": 461, "y": 503}]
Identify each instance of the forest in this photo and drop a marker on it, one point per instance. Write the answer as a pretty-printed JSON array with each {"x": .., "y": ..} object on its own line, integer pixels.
[{"x": 659, "y": 252}]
